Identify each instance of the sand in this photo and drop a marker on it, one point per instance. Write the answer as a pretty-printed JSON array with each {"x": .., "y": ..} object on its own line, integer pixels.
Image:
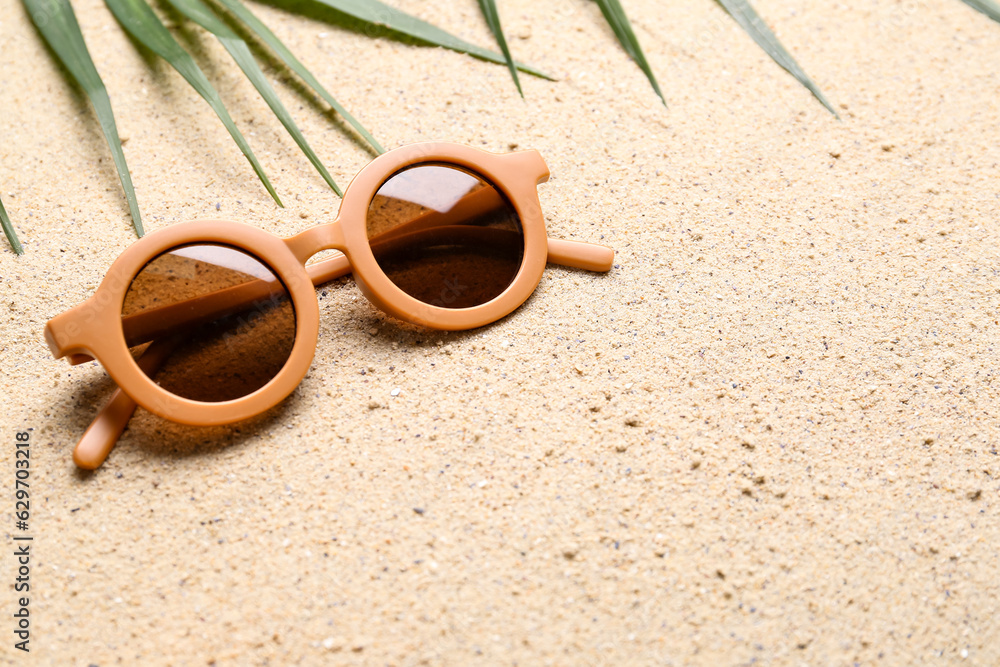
[{"x": 769, "y": 434}]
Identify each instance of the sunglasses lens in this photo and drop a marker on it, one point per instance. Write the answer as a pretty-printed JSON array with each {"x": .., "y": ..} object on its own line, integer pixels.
[
  {"x": 221, "y": 320},
  {"x": 445, "y": 236}
]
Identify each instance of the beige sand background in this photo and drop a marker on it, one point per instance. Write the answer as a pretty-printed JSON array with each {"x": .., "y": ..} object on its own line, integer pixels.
[{"x": 768, "y": 435}]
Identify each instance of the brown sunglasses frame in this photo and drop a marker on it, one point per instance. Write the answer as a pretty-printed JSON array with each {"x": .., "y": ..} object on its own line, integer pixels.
[{"x": 93, "y": 329}]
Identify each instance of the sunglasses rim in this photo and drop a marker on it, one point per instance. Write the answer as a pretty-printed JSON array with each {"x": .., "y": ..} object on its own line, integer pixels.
[
  {"x": 85, "y": 328},
  {"x": 515, "y": 175},
  {"x": 102, "y": 337}
]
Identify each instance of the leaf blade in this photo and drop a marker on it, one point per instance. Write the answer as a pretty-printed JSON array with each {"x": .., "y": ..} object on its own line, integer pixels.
[
  {"x": 240, "y": 11},
  {"x": 492, "y": 17},
  {"x": 8, "y": 231},
  {"x": 201, "y": 14},
  {"x": 748, "y": 19},
  {"x": 614, "y": 13},
  {"x": 139, "y": 20},
  {"x": 987, "y": 7},
  {"x": 57, "y": 23},
  {"x": 379, "y": 14}
]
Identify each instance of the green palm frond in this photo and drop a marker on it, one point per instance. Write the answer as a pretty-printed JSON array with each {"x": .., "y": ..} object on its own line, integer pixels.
[
  {"x": 380, "y": 15},
  {"x": 57, "y": 23},
  {"x": 145, "y": 26},
  {"x": 240, "y": 11},
  {"x": 229, "y": 19},
  {"x": 615, "y": 15},
  {"x": 198, "y": 12},
  {"x": 492, "y": 17},
  {"x": 987, "y": 7},
  {"x": 8, "y": 231},
  {"x": 750, "y": 20}
]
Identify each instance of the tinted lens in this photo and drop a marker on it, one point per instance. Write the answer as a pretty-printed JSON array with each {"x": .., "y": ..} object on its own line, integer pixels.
[
  {"x": 221, "y": 320},
  {"x": 445, "y": 236}
]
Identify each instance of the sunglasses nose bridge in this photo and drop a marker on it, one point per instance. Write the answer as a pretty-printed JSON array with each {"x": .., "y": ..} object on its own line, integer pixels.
[{"x": 315, "y": 239}]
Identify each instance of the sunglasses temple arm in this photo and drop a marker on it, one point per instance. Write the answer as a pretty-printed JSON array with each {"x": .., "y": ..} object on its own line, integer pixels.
[
  {"x": 580, "y": 255},
  {"x": 328, "y": 269},
  {"x": 575, "y": 254},
  {"x": 102, "y": 435},
  {"x": 565, "y": 253},
  {"x": 153, "y": 323}
]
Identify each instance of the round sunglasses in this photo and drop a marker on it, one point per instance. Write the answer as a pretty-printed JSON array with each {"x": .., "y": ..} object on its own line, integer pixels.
[{"x": 212, "y": 322}]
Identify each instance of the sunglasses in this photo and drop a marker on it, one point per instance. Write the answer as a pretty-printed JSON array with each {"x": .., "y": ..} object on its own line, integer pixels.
[{"x": 212, "y": 322}]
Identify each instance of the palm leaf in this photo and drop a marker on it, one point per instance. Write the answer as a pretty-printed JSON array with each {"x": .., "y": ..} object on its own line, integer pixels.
[
  {"x": 8, "y": 230},
  {"x": 140, "y": 21},
  {"x": 241, "y": 12},
  {"x": 198, "y": 12},
  {"x": 57, "y": 23},
  {"x": 750, "y": 20},
  {"x": 615, "y": 15},
  {"x": 492, "y": 17},
  {"x": 987, "y": 7},
  {"x": 378, "y": 14}
]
